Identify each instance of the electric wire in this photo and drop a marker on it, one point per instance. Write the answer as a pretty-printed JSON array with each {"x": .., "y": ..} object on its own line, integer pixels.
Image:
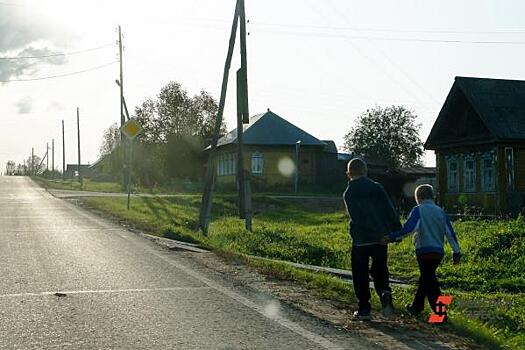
[
  {"x": 60, "y": 75},
  {"x": 56, "y": 54}
]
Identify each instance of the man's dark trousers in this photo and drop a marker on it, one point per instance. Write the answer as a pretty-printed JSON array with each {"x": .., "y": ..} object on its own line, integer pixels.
[
  {"x": 428, "y": 284},
  {"x": 360, "y": 259}
]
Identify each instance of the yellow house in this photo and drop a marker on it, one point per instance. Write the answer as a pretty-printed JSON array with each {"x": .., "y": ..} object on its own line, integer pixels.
[{"x": 273, "y": 148}]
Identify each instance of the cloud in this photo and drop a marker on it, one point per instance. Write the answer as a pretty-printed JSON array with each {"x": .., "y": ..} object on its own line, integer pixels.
[
  {"x": 14, "y": 68},
  {"x": 25, "y": 34},
  {"x": 55, "y": 106},
  {"x": 24, "y": 105}
]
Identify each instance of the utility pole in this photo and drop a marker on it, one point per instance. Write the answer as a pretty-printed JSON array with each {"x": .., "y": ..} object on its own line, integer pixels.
[
  {"x": 47, "y": 157},
  {"x": 63, "y": 153},
  {"x": 53, "y": 158},
  {"x": 122, "y": 117},
  {"x": 242, "y": 118},
  {"x": 205, "y": 211},
  {"x": 78, "y": 137},
  {"x": 32, "y": 161}
]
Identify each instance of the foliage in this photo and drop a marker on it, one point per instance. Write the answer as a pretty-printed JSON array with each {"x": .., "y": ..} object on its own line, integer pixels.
[
  {"x": 174, "y": 112},
  {"x": 175, "y": 130},
  {"x": 387, "y": 134},
  {"x": 110, "y": 140}
]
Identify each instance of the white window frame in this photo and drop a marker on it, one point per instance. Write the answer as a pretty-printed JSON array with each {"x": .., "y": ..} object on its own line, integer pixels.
[
  {"x": 452, "y": 174},
  {"x": 488, "y": 173},
  {"x": 469, "y": 173},
  {"x": 257, "y": 163}
]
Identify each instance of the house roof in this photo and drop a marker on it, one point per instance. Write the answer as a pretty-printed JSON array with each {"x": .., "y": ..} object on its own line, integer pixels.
[
  {"x": 499, "y": 104},
  {"x": 270, "y": 129},
  {"x": 417, "y": 171}
]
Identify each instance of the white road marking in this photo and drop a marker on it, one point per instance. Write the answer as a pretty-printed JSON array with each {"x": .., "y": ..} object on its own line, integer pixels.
[
  {"x": 284, "y": 322},
  {"x": 59, "y": 229},
  {"x": 103, "y": 291}
]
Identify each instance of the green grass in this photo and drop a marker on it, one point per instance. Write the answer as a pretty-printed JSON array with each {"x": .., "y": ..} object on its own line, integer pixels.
[
  {"x": 74, "y": 185},
  {"x": 488, "y": 286}
]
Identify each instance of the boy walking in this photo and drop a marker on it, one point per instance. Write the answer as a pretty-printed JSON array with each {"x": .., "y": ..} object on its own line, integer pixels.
[
  {"x": 372, "y": 216},
  {"x": 432, "y": 225}
]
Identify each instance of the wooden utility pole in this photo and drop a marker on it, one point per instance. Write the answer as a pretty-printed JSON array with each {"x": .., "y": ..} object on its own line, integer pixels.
[
  {"x": 53, "y": 158},
  {"x": 32, "y": 161},
  {"x": 243, "y": 117},
  {"x": 122, "y": 117},
  {"x": 242, "y": 112},
  {"x": 79, "y": 163},
  {"x": 205, "y": 211},
  {"x": 63, "y": 153},
  {"x": 47, "y": 157}
]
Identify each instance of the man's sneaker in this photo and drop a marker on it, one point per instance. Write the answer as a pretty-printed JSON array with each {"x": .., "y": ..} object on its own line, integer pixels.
[
  {"x": 412, "y": 310},
  {"x": 362, "y": 315},
  {"x": 387, "y": 309}
]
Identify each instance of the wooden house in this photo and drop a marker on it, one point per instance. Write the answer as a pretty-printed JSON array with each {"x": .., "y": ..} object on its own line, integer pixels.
[
  {"x": 479, "y": 141},
  {"x": 271, "y": 147}
]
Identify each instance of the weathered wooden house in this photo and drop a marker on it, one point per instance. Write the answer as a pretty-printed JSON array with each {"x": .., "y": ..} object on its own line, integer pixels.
[
  {"x": 479, "y": 141},
  {"x": 272, "y": 146}
]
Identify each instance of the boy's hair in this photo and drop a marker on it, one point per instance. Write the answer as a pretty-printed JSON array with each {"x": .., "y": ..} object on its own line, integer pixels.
[
  {"x": 425, "y": 191},
  {"x": 357, "y": 166}
]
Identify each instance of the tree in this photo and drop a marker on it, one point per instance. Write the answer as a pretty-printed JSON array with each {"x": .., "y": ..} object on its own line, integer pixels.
[
  {"x": 35, "y": 165},
  {"x": 110, "y": 140},
  {"x": 389, "y": 134},
  {"x": 175, "y": 113}
]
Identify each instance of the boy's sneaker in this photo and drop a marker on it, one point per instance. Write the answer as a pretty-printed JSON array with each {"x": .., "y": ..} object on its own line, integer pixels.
[
  {"x": 412, "y": 310},
  {"x": 387, "y": 309},
  {"x": 362, "y": 315}
]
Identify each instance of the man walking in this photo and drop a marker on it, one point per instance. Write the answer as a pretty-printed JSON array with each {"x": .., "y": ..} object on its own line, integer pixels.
[{"x": 372, "y": 216}]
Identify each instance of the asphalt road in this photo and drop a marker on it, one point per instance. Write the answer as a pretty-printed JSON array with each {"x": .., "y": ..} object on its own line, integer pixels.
[{"x": 120, "y": 290}]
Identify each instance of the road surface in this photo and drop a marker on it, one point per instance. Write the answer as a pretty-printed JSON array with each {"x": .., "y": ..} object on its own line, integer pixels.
[{"x": 117, "y": 289}]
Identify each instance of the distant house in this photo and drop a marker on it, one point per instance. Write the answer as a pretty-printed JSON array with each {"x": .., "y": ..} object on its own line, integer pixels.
[
  {"x": 272, "y": 145},
  {"x": 479, "y": 140},
  {"x": 72, "y": 171}
]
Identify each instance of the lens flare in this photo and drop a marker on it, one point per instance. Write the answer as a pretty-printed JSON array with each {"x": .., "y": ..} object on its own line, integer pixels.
[{"x": 286, "y": 166}]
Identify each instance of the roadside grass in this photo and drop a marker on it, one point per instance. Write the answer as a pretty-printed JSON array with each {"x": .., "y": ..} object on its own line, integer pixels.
[
  {"x": 488, "y": 286},
  {"x": 89, "y": 185}
]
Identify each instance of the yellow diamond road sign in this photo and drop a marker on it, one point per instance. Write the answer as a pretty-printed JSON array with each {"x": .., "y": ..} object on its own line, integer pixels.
[{"x": 131, "y": 129}]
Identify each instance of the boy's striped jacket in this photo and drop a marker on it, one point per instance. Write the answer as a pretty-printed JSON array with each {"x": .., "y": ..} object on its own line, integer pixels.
[{"x": 431, "y": 225}]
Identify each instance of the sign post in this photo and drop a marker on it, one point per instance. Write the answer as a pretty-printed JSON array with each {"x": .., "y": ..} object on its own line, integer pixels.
[{"x": 130, "y": 129}]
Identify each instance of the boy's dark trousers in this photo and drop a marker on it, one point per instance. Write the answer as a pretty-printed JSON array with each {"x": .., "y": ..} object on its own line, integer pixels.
[
  {"x": 428, "y": 284},
  {"x": 360, "y": 259}
]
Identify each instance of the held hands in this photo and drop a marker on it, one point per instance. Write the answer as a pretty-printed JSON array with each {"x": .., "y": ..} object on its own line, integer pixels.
[
  {"x": 384, "y": 241},
  {"x": 456, "y": 258}
]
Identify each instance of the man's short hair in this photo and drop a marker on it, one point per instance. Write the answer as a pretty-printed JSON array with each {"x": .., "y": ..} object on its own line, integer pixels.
[
  {"x": 425, "y": 191},
  {"x": 357, "y": 166}
]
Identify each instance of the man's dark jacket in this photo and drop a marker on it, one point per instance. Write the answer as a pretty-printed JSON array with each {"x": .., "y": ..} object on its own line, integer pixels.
[{"x": 371, "y": 211}]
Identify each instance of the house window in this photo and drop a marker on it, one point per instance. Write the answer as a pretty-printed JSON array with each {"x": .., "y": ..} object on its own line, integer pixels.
[
  {"x": 469, "y": 173},
  {"x": 452, "y": 173},
  {"x": 257, "y": 163},
  {"x": 226, "y": 164},
  {"x": 509, "y": 167},
  {"x": 488, "y": 170}
]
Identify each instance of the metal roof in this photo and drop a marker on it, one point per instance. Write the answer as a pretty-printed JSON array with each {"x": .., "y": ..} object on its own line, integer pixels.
[{"x": 270, "y": 129}]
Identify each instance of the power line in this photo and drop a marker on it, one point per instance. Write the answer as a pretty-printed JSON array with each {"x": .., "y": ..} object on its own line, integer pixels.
[
  {"x": 61, "y": 75},
  {"x": 57, "y": 54},
  {"x": 428, "y": 31},
  {"x": 366, "y": 37}
]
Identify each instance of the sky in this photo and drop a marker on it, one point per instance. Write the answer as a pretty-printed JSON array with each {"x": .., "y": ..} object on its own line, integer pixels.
[{"x": 318, "y": 64}]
